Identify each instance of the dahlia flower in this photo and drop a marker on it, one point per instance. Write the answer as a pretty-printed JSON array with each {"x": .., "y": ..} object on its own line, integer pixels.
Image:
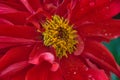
[{"x": 57, "y": 39}]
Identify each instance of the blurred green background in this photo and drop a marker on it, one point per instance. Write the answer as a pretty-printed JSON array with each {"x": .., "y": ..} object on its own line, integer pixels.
[{"x": 114, "y": 47}]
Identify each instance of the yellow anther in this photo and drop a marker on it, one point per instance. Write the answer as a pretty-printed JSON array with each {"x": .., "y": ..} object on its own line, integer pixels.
[{"x": 60, "y": 35}]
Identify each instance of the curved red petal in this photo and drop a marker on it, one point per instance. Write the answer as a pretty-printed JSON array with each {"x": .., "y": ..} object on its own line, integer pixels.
[
  {"x": 79, "y": 46},
  {"x": 19, "y": 76},
  {"x": 11, "y": 14},
  {"x": 57, "y": 75},
  {"x": 4, "y": 21},
  {"x": 62, "y": 9},
  {"x": 98, "y": 54},
  {"x": 14, "y": 55},
  {"x": 97, "y": 75},
  {"x": 46, "y": 5},
  {"x": 6, "y": 42},
  {"x": 97, "y": 10},
  {"x": 73, "y": 68},
  {"x": 37, "y": 4},
  {"x": 18, "y": 31},
  {"x": 6, "y": 9},
  {"x": 14, "y": 4},
  {"x": 107, "y": 29},
  {"x": 14, "y": 68},
  {"x": 16, "y": 17},
  {"x": 3, "y": 51},
  {"x": 115, "y": 7},
  {"x": 27, "y": 5},
  {"x": 36, "y": 53},
  {"x": 38, "y": 72}
]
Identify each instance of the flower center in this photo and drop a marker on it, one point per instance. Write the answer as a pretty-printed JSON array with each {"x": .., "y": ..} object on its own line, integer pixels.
[{"x": 60, "y": 35}]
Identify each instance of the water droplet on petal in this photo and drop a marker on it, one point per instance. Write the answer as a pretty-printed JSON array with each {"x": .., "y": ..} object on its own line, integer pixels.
[
  {"x": 82, "y": 9},
  {"x": 107, "y": 7},
  {"x": 106, "y": 34},
  {"x": 91, "y": 77},
  {"x": 92, "y": 4},
  {"x": 74, "y": 72},
  {"x": 86, "y": 69}
]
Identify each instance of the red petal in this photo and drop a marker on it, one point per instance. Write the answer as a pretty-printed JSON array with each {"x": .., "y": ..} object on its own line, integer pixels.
[
  {"x": 4, "y": 21},
  {"x": 14, "y": 4},
  {"x": 42, "y": 72},
  {"x": 62, "y": 9},
  {"x": 97, "y": 10},
  {"x": 73, "y": 68},
  {"x": 107, "y": 29},
  {"x": 14, "y": 55},
  {"x": 27, "y": 5},
  {"x": 9, "y": 42},
  {"x": 98, "y": 54},
  {"x": 12, "y": 69},
  {"x": 9, "y": 45},
  {"x": 81, "y": 9},
  {"x": 57, "y": 75},
  {"x": 12, "y": 15},
  {"x": 50, "y": 5},
  {"x": 76, "y": 7},
  {"x": 16, "y": 17},
  {"x": 6, "y": 9},
  {"x": 18, "y": 31},
  {"x": 5, "y": 39},
  {"x": 39, "y": 72},
  {"x": 115, "y": 8},
  {"x": 97, "y": 75},
  {"x": 79, "y": 46},
  {"x": 36, "y": 52},
  {"x": 3, "y": 51},
  {"x": 20, "y": 75}
]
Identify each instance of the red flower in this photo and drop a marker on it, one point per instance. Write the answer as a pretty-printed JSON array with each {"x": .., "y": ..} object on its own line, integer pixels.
[{"x": 57, "y": 39}]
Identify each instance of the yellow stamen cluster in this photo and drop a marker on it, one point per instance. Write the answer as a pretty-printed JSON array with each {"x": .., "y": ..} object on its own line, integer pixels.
[{"x": 60, "y": 35}]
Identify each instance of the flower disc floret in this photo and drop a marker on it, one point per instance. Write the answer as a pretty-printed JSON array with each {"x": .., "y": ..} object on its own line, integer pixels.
[{"x": 60, "y": 35}]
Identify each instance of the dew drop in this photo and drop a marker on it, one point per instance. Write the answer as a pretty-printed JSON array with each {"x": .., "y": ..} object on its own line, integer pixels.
[
  {"x": 86, "y": 69},
  {"x": 90, "y": 77},
  {"x": 28, "y": 46},
  {"x": 108, "y": 34},
  {"x": 74, "y": 72},
  {"x": 82, "y": 9},
  {"x": 92, "y": 4},
  {"x": 107, "y": 7},
  {"x": 87, "y": 22}
]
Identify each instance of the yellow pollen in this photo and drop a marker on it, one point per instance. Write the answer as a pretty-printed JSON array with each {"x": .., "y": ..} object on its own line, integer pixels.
[{"x": 60, "y": 35}]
